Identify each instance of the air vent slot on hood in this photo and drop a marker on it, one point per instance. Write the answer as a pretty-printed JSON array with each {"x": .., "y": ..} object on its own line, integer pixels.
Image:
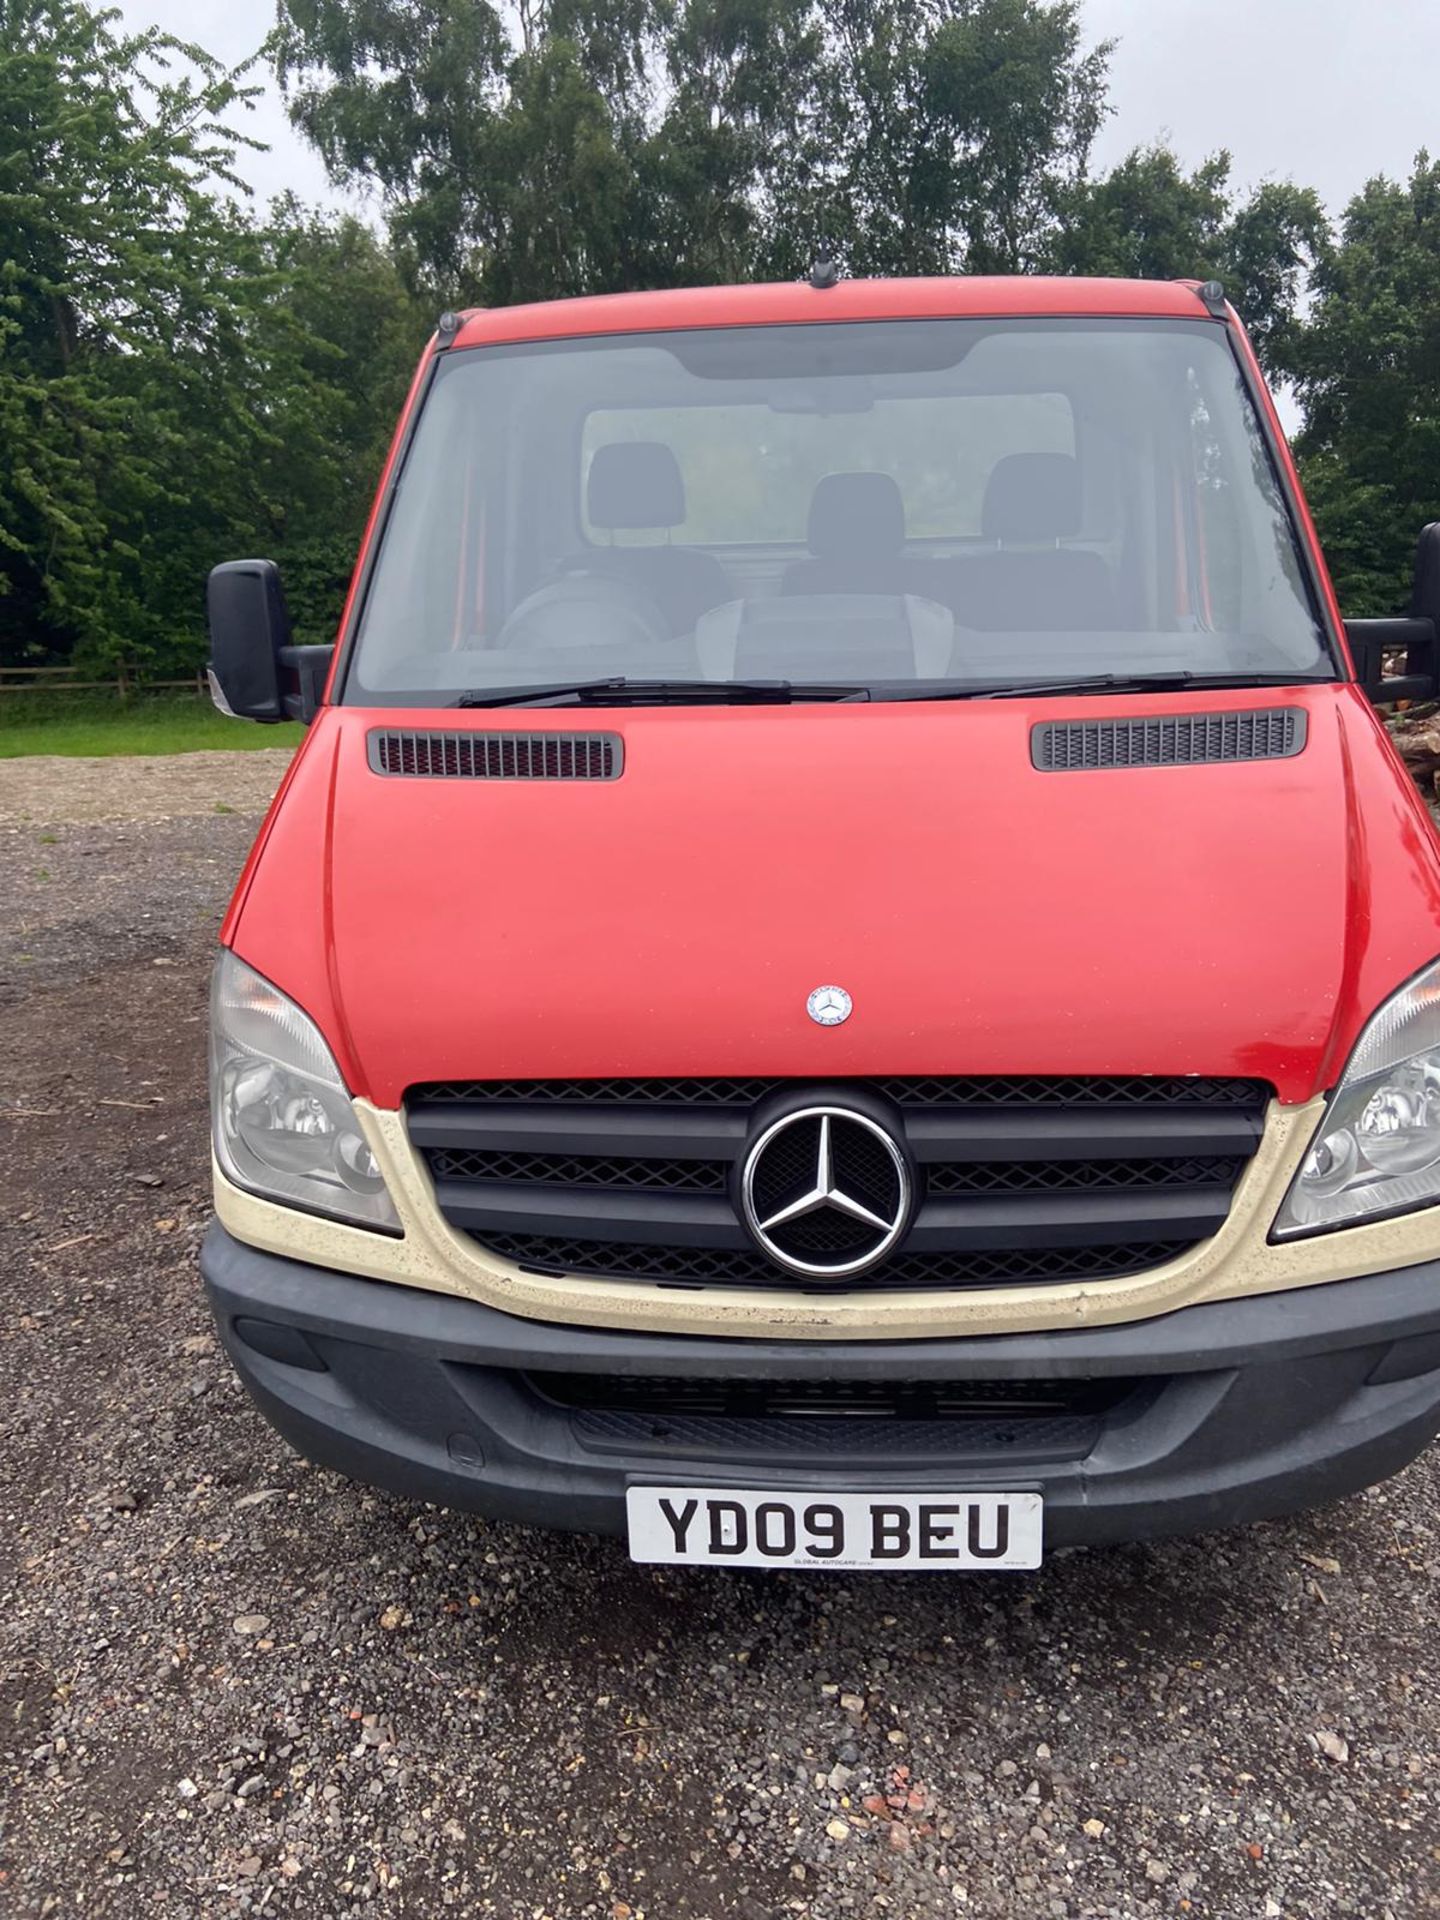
[
  {"x": 1170, "y": 740},
  {"x": 496, "y": 756}
]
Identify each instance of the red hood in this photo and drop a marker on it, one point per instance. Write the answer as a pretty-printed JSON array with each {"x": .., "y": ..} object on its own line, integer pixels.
[{"x": 985, "y": 917}]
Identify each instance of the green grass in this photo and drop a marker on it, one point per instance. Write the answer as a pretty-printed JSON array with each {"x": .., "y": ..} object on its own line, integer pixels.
[{"x": 77, "y": 724}]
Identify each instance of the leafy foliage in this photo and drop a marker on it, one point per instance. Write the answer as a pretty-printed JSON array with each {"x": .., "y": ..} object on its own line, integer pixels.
[
  {"x": 1368, "y": 375},
  {"x": 636, "y": 146},
  {"x": 108, "y": 239},
  {"x": 1150, "y": 220},
  {"x": 175, "y": 381}
]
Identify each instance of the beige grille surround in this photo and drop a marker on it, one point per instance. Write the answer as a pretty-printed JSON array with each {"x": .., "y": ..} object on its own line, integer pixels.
[{"x": 1237, "y": 1262}]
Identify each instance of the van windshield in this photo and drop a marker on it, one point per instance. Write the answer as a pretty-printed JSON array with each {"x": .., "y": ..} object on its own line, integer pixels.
[{"x": 882, "y": 507}]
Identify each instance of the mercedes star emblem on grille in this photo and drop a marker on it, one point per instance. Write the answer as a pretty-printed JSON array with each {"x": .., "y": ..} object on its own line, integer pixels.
[
  {"x": 829, "y": 1006},
  {"x": 826, "y": 1192}
]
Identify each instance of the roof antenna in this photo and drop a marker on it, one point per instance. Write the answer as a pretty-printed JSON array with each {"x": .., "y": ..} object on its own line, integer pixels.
[
  {"x": 1213, "y": 294},
  {"x": 824, "y": 274}
]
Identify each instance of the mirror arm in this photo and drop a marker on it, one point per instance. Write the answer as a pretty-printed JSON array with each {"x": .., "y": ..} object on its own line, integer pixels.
[
  {"x": 311, "y": 667},
  {"x": 1371, "y": 640}
]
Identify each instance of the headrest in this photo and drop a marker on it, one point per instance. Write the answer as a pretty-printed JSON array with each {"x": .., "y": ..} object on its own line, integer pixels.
[
  {"x": 635, "y": 483},
  {"x": 1032, "y": 496},
  {"x": 855, "y": 514}
]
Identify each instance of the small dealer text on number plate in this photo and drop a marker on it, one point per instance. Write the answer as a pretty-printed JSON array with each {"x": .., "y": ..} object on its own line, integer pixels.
[{"x": 721, "y": 1527}]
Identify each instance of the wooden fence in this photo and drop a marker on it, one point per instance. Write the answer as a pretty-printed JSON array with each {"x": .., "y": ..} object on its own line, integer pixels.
[{"x": 123, "y": 682}]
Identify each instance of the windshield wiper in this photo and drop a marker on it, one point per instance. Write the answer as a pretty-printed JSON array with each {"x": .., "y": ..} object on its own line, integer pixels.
[
  {"x": 1105, "y": 683},
  {"x": 621, "y": 691},
  {"x": 546, "y": 691}
]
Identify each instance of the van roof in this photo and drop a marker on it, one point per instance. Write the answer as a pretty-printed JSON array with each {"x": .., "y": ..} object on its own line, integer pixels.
[{"x": 782, "y": 303}]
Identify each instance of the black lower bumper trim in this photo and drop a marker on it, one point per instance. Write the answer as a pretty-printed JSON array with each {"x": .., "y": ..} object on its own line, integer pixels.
[{"x": 1212, "y": 1415}]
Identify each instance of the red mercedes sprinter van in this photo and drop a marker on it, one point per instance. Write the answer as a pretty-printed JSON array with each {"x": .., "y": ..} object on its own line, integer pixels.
[{"x": 846, "y": 974}]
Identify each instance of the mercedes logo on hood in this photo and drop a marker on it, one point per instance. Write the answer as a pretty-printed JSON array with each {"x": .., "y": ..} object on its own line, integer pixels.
[
  {"x": 829, "y": 1006},
  {"x": 826, "y": 1192}
]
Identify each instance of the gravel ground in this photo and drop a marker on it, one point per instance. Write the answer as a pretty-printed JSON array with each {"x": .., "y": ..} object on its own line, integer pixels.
[
  {"x": 51, "y": 788},
  {"x": 231, "y": 1683}
]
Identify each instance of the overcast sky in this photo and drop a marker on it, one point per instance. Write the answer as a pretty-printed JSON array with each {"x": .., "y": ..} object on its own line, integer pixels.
[{"x": 1326, "y": 92}]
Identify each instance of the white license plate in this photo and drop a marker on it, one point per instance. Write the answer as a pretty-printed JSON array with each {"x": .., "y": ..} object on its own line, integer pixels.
[{"x": 720, "y": 1527}]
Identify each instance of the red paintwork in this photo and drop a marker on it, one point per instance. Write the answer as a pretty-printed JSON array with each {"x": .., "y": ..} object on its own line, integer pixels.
[
  {"x": 986, "y": 918},
  {"x": 789, "y": 302}
]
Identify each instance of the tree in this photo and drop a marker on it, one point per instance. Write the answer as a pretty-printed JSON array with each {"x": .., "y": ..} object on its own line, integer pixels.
[
  {"x": 739, "y": 122},
  {"x": 1148, "y": 219},
  {"x": 649, "y": 145},
  {"x": 505, "y": 169},
  {"x": 1275, "y": 244},
  {"x": 102, "y": 239},
  {"x": 1368, "y": 374},
  {"x": 355, "y": 335},
  {"x": 117, "y": 314},
  {"x": 172, "y": 386},
  {"x": 916, "y": 136}
]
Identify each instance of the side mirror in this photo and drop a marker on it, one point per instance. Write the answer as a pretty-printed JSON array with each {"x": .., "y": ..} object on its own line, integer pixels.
[
  {"x": 1425, "y": 589},
  {"x": 1371, "y": 641},
  {"x": 255, "y": 671}
]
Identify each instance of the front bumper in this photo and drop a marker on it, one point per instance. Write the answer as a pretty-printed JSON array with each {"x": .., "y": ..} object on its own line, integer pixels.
[{"x": 1230, "y": 1411}]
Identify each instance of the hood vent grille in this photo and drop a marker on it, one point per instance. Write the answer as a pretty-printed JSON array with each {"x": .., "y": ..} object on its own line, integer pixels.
[
  {"x": 1172, "y": 740},
  {"x": 496, "y": 756}
]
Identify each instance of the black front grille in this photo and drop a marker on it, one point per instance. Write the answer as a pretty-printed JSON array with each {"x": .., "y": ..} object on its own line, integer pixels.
[
  {"x": 989, "y": 1090},
  {"x": 763, "y": 1399},
  {"x": 661, "y": 1175},
  {"x": 849, "y": 1444},
  {"x": 691, "y": 1267},
  {"x": 824, "y": 1421},
  {"x": 1078, "y": 1175},
  {"x": 584, "y": 1170},
  {"x": 1017, "y": 1182}
]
